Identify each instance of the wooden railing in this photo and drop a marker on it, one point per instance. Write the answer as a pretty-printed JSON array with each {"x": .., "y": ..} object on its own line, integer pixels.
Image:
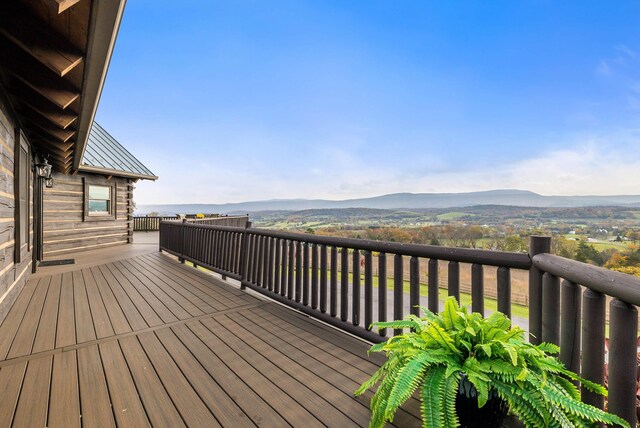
[
  {"x": 332, "y": 279},
  {"x": 150, "y": 224}
]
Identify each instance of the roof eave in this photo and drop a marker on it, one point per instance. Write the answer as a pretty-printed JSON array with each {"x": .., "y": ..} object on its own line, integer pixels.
[
  {"x": 103, "y": 29},
  {"x": 115, "y": 172}
]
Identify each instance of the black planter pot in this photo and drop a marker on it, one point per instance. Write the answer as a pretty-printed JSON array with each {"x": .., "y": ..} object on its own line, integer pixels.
[{"x": 491, "y": 415}]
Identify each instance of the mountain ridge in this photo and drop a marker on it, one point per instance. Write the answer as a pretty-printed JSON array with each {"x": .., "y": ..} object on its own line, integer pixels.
[{"x": 508, "y": 197}]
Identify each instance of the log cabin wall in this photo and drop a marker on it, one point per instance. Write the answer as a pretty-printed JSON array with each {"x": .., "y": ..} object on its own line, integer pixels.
[
  {"x": 15, "y": 263},
  {"x": 67, "y": 228}
]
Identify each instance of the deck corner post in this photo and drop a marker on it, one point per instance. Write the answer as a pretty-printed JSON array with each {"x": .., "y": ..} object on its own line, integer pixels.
[{"x": 537, "y": 245}]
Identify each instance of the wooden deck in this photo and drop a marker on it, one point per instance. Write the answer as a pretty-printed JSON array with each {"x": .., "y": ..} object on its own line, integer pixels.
[{"x": 147, "y": 341}]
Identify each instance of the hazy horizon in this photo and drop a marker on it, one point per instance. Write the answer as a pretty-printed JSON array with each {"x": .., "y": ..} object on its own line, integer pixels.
[
  {"x": 240, "y": 101},
  {"x": 387, "y": 194}
]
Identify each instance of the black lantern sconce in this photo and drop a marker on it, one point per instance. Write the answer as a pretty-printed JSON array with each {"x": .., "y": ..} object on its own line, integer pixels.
[{"x": 43, "y": 170}]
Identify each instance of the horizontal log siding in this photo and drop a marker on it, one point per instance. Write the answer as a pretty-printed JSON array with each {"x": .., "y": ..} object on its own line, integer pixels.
[
  {"x": 13, "y": 275},
  {"x": 64, "y": 229}
]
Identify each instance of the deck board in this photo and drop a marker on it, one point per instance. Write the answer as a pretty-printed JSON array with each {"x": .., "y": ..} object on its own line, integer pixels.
[
  {"x": 147, "y": 341},
  {"x": 35, "y": 389},
  {"x": 127, "y": 407},
  {"x": 85, "y": 330},
  {"x": 94, "y": 395},
  {"x": 46, "y": 335},
  {"x": 26, "y": 334},
  {"x": 10, "y": 388},
  {"x": 194, "y": 297},
  {"x": 64, "y": 404},
  {"x": 101, "y": 322},
  {"x": 66, "y": 331}
]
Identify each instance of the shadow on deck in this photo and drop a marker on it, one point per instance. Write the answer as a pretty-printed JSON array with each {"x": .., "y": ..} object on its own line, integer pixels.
[{"x": 139, "y": 339}]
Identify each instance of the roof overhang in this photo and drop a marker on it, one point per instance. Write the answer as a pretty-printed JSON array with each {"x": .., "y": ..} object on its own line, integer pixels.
[
  {"x": 54, "y": 56},
  {"x": 116, "y": 173},
  {"x": 103, "y": 30}
]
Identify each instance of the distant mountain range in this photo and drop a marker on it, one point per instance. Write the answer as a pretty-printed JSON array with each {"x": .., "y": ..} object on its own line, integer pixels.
[{"x": 522, "y": 198}]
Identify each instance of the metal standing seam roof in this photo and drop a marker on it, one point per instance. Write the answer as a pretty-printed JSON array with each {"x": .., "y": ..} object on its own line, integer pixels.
[{"x": 104, "y": 154}]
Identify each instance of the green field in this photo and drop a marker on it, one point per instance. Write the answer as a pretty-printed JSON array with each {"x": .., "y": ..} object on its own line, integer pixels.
[{"x": 452, "y": 215}]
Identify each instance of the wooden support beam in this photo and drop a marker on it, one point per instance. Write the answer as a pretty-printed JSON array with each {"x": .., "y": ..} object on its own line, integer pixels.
[
  {"x": 62, "y": 135},
  {"x": 39, "y": 41},
  {"x": 62, "y": 5},
  {"x": 28, "y": 97},
  {"x": 54, "y": 88},
  {"x": 45, "y": 141}
]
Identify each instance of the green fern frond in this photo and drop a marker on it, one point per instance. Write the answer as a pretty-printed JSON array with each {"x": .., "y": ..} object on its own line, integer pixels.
[
  {"x": 549, "y": 348},
  {"x": 582, "y": 410},
  {"x": 432, "y": 399},
  {"x": 449, "y": 390},
  {"x": 441, "y": 337},
  {"x": 568, "y": 386},
  {"x": 407, "y": 381}
]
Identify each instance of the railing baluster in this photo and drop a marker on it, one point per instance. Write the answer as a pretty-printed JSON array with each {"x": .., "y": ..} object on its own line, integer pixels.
[
  {"x": 314, "y": 276},
  {"x": 368, "y": 289},
  {"x": 623, "y": 364},
  {"x": 434, "y": 289},
  {"x": 283, "y": 272},
  {"x": 537, "y": 245},
  {"x": 323, "y": 278},
  {"x": 333, "y": 302},
  {"x": 249, "y": 258},
  {"x": 270, "y": 258},
  {"x": 305, "y": 274},
  {"x": 550, "y": 309},
  {"x": 256, "y": 259},
  {"x": 414, "y": 286},
  {"x": 355, "y": 298},
  {"x": 225, "y": 255},
  {"x": 277, "y": 282},
  {"x": 298, "y": 270},
  {"x": 504, "y": 290},
  {"x": 291, "y": 266},
  {"x": 265, "y": 261},
  {"x": 260, "y": 261},
  {"x": 344, "y": 284},
  {"x": 382, "y": 291},
  {"x": 398, "y": 292},
  {"x": 454, "y": 280},
  {"x": 570, "y": 325},
  {"x": 593, "y": 330},
  {"x": 477, "y": 288}
]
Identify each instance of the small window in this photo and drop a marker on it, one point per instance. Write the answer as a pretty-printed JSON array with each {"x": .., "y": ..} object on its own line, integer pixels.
[{"x": 99, "y": 200}]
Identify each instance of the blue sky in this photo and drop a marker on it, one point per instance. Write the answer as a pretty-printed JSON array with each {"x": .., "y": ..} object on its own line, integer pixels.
[{"x": 230, "y": 101}]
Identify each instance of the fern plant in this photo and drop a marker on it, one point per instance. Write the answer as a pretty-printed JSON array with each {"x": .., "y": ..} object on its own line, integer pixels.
[{"x": 491, "y": 355}]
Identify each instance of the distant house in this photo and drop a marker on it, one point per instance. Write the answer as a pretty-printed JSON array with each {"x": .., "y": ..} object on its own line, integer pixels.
[{"x": 93, "y": 207}]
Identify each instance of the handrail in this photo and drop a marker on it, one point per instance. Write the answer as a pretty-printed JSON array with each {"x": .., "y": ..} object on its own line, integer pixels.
[
  {"x": 462, "y": 255},
  {"x": 614, "y": 284}
]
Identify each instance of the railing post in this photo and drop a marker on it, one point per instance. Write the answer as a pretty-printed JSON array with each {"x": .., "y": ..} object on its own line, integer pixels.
[
  {"x": 623, "y": 363},
  {"x": 537, "y": 245}
]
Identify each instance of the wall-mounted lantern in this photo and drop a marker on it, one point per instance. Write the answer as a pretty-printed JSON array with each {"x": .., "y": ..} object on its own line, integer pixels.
[{"x": 44, "y": 169}]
